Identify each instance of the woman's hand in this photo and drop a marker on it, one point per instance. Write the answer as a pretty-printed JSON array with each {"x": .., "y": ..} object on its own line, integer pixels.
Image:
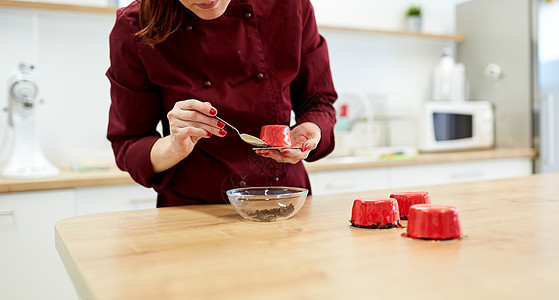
[
  {"x": 306, "y": 135},
  {"x": 189, "y": 121}
]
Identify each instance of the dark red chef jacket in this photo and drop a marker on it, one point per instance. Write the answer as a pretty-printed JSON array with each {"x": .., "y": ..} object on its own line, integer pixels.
[{"x": 255, "y": 64}]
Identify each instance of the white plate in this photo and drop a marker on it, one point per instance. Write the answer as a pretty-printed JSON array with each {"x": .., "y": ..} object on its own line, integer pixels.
[{"x": 275, "y": 148}]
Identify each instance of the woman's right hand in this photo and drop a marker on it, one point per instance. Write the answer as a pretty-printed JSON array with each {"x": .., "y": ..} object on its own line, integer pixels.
[{"x": 189, "y": 121}]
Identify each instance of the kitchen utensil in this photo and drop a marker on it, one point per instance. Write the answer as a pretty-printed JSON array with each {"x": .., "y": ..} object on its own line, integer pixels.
[
  {"x": 27, "y": 159},
  {"x": 268, "y": 203},
  {"x": 246, "y": 137}
]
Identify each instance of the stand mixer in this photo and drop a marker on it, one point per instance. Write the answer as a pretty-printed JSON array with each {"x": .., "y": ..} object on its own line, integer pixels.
[{"x": 27, "y": 159}]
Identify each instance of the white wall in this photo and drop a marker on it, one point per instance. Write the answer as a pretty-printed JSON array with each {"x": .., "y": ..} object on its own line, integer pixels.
[
  {"x": 397, "y": 66},
  {"x": 71, "y": 53}
]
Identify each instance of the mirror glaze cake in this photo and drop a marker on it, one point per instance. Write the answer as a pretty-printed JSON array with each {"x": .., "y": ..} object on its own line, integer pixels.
[
  {"x": 434, "y": 222},
  {"x": 375, "y": 213},
  {"x": 407, "y": 199},
  {"x": 276, "y": 135}
]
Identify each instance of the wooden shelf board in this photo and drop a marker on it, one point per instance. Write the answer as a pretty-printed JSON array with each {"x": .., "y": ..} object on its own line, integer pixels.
[
  {"x": 450, "y": 37},
  {"x": 57, "y": 6},
  {"x": 111, "y": 10}
]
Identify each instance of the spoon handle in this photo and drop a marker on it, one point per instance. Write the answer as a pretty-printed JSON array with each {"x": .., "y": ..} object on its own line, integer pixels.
[{"x": 228, "y": 125}]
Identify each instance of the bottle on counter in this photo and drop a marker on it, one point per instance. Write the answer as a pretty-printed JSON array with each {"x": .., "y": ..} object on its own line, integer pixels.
[
  {"x": 449, "y": 79},
  {"x": 342, "y": 131}
]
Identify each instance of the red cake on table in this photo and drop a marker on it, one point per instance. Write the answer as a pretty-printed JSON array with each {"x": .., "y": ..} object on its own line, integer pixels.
[
  {"x": 375, "y": 213},
  {"x": 407, "y": 199},
  {"x": 434, "y": 222}
]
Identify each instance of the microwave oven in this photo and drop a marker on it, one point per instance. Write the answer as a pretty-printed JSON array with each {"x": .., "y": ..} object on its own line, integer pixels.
[{"x": 460, "y": 125}]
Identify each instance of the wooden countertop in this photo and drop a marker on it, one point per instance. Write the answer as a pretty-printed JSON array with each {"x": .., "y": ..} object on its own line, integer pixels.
[
  {"x": 511, "y": 250},
  {"x": 67, "y": 179},
  {"x": 72, "y": 179}
]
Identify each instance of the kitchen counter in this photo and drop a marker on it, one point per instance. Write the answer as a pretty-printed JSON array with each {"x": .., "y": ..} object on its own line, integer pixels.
[
  {"x": 510, "y": 250},
  {"x": 72, "y": 179},
  {"x": 67, "y": 179}
]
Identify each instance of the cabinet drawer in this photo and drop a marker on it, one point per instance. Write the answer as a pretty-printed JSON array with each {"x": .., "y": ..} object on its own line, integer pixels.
[
  {"x": 459, "y": 172},
  {"x": 30, "y": 266},
  {"x": 330, "y": 182},
  {"x": 114, "y": 198}
]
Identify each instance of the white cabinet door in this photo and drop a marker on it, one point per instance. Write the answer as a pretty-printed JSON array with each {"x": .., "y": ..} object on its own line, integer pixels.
[
  {"x": 30, "y": 267},
  {"x": 113, "y": 198},
  {"x": 343, "y": 181},
  {"x": 459, "y": 172}
]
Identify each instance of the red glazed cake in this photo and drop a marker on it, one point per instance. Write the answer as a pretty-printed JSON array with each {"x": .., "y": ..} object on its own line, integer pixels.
[
  {"x": 407, "y": 199},
  {"x": 376, "y": 213},
  {"x": 434, "y": 222},
  {"x": 276, "y": 135}
]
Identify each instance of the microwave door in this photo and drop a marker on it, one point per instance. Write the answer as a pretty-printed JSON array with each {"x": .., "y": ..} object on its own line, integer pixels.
[{"x": 450, "y": 126}]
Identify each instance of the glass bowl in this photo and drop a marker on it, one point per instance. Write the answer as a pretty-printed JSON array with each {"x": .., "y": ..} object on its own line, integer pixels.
[{"x": 268, "y": 203}]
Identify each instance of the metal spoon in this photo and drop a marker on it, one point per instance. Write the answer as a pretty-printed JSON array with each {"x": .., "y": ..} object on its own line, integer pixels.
[{"x": 246, "y": 137}]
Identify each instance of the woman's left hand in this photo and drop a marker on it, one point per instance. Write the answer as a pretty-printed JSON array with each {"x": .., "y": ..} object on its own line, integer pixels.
[{"x": 306, "y": 135}]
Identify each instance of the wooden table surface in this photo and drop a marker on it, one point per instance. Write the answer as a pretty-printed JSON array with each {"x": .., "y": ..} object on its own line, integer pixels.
[{"x": 511, "y": 250}]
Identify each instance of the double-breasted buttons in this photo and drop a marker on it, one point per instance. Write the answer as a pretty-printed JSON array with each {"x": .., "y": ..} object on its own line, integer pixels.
[
  {"x": 276, "y": 179},
  {"x": 189, "y": 27},
  {"x": 260, "y": 76},
  {"x": 248, "y": 15},
  {"x": 207, "y": 84},
  {"x": 242, "y": 183}
]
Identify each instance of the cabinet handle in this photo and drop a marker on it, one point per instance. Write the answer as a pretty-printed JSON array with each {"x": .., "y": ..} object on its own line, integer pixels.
[
  {"x": 340, "y": 185},
  {"x": 548, "y": 157},
  {"x": 7, "y": 212},
  {"x": 468, "y": 175},
  {"x": 142, "y": 201}
]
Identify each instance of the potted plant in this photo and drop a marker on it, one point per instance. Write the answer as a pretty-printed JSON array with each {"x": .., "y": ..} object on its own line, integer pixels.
[{"x": 414, "y": 18}]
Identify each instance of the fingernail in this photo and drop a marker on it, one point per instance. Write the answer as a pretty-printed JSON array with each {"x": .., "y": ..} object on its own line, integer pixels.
[
  {"x": 209, "y": 134},
  {"x": 284, "y": 151},
  {"x": 222, "y": 132},
  {"x": 306, "y": 147},
  {"x": 220, "y": 124},
  {"x": 264, "y": 153},
  {"x": 213, "y": 111}
]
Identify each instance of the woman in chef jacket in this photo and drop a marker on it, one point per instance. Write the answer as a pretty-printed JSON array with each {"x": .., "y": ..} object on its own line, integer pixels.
[{"x": 250, "y": 62}]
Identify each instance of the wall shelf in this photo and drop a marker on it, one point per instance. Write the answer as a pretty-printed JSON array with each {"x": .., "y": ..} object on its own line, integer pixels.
[
  {"x": 111, "y": 10},
  {"x": 57, "y": 6},
  {"x": 448, "y": 37}
]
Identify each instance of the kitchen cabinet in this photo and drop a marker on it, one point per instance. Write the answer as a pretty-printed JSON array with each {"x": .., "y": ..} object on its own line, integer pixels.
[
  {"x": 341, "y": 181},
  {"x": 113, "y": 198},
  {"x": 30, "y": 267},
  {"x": 407, "y": 176}
]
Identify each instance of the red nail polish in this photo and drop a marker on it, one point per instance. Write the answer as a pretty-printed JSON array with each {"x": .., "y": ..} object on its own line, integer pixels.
[
  {"x": 222, "y": 132},
  {"x": 264, "y": 152},
  {"x": 306, "y": 147},
  {"x": 213, "y": 111},
  {"x": 220, "y": 124},
  {"x": 209, "y": 134}
]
